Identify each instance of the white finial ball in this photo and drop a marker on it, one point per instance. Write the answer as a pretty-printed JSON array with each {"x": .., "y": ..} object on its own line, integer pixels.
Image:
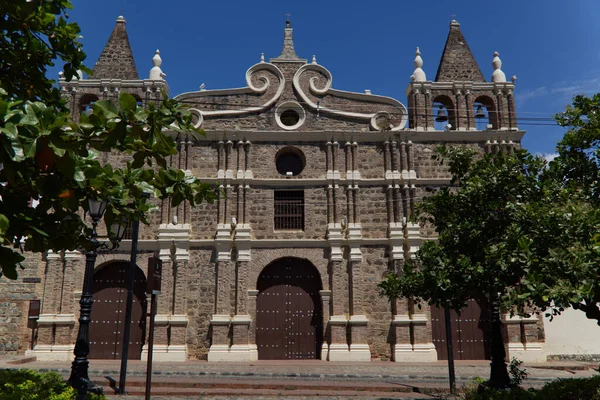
[
  {"x": 498, "y": 75},
  {"x": 314, "y": 59},
  {"x": 496, "y": 62},
  {"x": 157, "y": 60},
  {"x": 418, "y": 75},
  {"x": 262, "y": 57}
]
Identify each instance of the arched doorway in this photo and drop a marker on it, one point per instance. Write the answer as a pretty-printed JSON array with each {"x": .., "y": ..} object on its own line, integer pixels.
[
  {"x": 108, "y": 313},
  {"x": 470, "y": 332},
  {"x": 289, "y": 311}
]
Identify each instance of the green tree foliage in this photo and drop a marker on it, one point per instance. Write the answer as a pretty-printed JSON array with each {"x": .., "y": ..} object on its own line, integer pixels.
[
  {"x": 480, "y": 221},
  {"x": 47, "y": 158},
  {"x": 564, "y": 250}
]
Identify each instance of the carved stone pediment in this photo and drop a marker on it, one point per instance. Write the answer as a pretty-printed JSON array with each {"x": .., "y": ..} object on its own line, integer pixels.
[{"x": 272, "y": 88}]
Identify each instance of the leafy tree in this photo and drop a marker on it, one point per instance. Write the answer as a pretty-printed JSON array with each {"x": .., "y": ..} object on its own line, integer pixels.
[
  {"x": 47, "y": 158},
  {"x": 564, "y": 249},
  {"x": 480, "y": 223}
]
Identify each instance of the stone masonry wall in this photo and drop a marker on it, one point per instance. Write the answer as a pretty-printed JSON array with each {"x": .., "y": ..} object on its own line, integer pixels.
[
  {"x": 200, "y": 302},
  {"x": 260, "y": 215},
  {"x": 15, "y": 336},
  {"x": 377, "y": 309}
]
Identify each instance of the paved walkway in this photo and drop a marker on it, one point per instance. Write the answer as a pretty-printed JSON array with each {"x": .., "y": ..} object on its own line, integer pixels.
[
  {"x": 314, "y": 369},
  {"x": 269, "y": 379}
]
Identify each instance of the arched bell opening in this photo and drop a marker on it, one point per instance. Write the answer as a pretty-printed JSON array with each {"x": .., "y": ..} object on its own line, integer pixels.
[
  {"x": 108, "y": 312},
  {"x": 444, "y": 113},
  {"x": 86, "y": 102},
  {"x": 289, "y": 311},
  {"x": 484, "y": 112}
]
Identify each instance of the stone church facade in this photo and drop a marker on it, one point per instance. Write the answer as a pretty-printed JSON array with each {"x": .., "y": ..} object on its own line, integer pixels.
[{"x": 317, "y": 187}]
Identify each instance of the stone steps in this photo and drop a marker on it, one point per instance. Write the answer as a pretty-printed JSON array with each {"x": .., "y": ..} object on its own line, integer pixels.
[{"x": 174, "y": 387}]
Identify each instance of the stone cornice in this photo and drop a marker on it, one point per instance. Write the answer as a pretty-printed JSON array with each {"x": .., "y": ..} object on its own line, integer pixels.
[{"x": 272, "y": 137}]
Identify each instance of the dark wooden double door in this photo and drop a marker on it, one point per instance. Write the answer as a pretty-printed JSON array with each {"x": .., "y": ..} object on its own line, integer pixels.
[
  {"x": 289, "y": 315},
  {"x": 108, "y": 313},
  {"x": 470, "y": 332}
]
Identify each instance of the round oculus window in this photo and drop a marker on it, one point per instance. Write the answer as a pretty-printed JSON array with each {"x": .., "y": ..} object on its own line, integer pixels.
[
  {"x": 289, "y": 162},
  {"x": 290, "y": 115}
]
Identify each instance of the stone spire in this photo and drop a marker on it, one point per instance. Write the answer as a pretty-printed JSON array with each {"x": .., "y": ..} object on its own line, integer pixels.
[
  {"x": 458, "y": 63},
  {"x": 418, "y": 75},
  {"x": 288, "y": 53},
  {"x": 498, "y": 75},
  {"x": 116, "y": 60}
]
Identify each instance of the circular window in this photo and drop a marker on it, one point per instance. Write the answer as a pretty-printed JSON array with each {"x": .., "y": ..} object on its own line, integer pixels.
[
  {"x": 289, "y": 161},
  {"x": 290, "y": 115}
]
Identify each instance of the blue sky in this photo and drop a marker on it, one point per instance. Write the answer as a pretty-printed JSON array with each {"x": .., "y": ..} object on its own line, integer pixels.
[{"x": 548, "y": 45}]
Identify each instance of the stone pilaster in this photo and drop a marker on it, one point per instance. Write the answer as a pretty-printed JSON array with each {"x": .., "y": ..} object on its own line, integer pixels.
[
  {"x": 522, "y": 339},
  {"x": 326, "y": 304},
  {"x": 220, "y": 322}
]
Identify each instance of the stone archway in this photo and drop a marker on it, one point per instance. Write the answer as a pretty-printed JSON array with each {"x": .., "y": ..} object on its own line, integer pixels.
[
  {"x": 289, "y": 311},
  {"x": 108, "y": 312}
]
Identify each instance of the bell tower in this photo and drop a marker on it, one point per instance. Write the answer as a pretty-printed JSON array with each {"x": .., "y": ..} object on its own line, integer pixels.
[
  {"x": 460, "y": 98},
  {"x": 115, "y": 71}
]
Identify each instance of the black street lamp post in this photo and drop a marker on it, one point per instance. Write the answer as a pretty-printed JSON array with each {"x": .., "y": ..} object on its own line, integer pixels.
[
  {"x": 79, "y": 378},
  {"x": 499, "y": 374}
]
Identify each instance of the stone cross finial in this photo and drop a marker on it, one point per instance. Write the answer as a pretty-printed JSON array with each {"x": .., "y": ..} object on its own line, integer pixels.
[
  {"x": 498, "y": 75},
  {"x": 288, "y": 53},
  {"x": 418, "y": 75}
]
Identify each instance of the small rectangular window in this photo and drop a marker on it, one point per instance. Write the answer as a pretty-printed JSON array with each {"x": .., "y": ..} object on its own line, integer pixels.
[{"x": 289, "y": 210}]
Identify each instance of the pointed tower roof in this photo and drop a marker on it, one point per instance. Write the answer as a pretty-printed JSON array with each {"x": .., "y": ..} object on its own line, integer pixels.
[
  {"x": 116, "y": 60},
  {"x": 288, "y": 53},
  {"x": 458, "y": 63}
]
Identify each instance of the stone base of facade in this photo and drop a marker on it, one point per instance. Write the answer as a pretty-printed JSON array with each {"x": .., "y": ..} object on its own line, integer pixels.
[
  {"x": 341, "y": 352},
  {"x": 235, "y": 353},
  {"x": 165, "y": 353},
  {"x": 338, "y": 352},
  {"x": 52, "y": 352},
  {"x": 360, "y": 352},
  {"x": 424, "y": 352},
  {"x": 531, "y": 352}
]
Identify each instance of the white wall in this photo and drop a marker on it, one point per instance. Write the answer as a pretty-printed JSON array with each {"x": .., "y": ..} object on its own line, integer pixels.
[{"x": 571, "y": 333}]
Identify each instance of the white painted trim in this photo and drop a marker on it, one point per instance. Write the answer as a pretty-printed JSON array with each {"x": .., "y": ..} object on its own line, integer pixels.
[
  {"x": 241, "y": 320},
  {"x": 47, "y": 319},
  {"x": 338, "y": 320},
  {"x": 220, "y": 319},
  {"x": 358, "y": 320}
]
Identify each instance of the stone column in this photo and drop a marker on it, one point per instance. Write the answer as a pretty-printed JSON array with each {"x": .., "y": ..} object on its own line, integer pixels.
[
  {"x": 326, "y": 304},
  {"x": 66, "y": 317},
  {"x": 252, "y": 294},
  {"x": 220, "y": 322},
  {"x": 243, "y": 349},
  {"x": 164, "y": 308},
  {"x": 50, "y": 308},
  {"x": 177, "y": 350},
  {"x": 338, "y": 348}
]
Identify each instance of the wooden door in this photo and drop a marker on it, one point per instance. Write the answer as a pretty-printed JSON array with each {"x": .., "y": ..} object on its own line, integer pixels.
[
  {"x": 108, "y": 313},
  {"x": 470, "y": 332},
  {"x": 289, "y": 317}
]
